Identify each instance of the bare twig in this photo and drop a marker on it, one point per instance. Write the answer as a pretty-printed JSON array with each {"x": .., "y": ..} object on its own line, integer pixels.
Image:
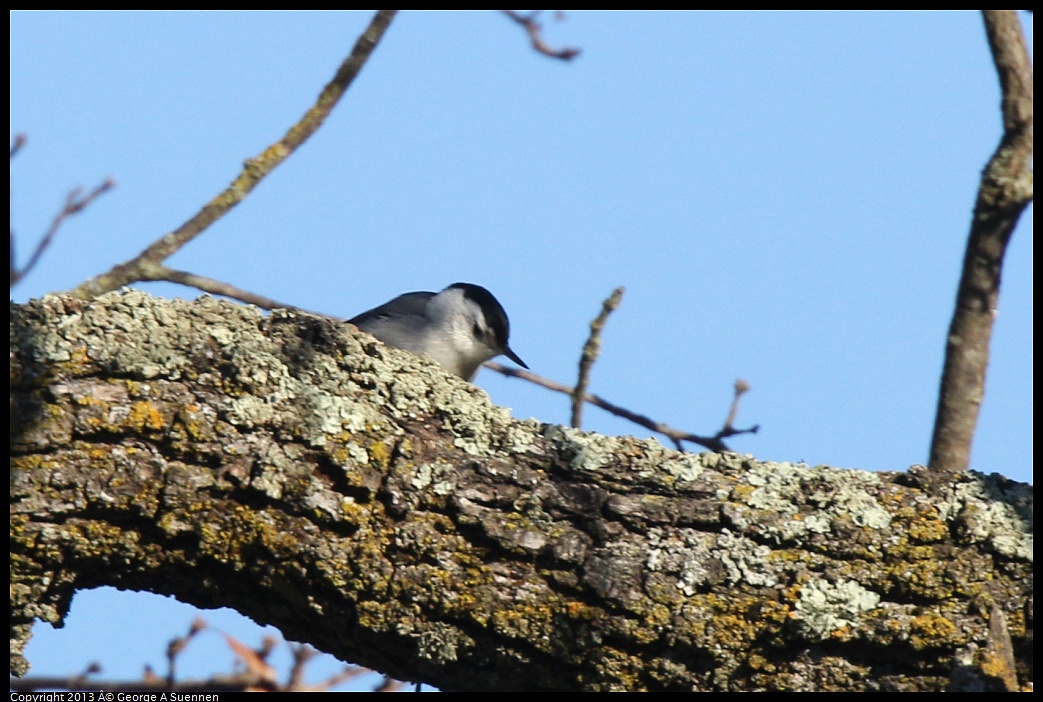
[
  {"x": 714, "y": 443},
  {"x": 349, "y": 673},
  {"x": 225, "y": 683},
  {"x": 591, "y": 349},
  {"x": 255, "y": 660},
  {"x": 17, "y": 144},
  {"x": 302, "y": 653},
  {"x": 160, "y": 273},
  {"x": 1005, "y": 191},
  {"x": 741, "y": 387},
  {"x": 74, "y": 204},
  {"x": 533, "y": 29},
  {"x": 254, "y": 170},
  {"x": 389, "y": 684},
  {"x": 257, "y": 674},
  {"x": 177, "y": 645}
]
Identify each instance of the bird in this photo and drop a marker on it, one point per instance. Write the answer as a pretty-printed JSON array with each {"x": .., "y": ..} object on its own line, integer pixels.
[{"x": 460, "y": 327}]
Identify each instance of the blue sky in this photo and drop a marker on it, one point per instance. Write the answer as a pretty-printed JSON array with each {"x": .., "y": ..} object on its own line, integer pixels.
[{"x": 785, "y": 196}]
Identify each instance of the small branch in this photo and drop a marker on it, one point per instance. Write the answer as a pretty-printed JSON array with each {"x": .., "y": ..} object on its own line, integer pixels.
[
  {"x": 713, "y": 443},
  {"x": 591, "y": 349},
  {"x": 302, "y": 653},
  {"x": 1005, "y": 191},
  {"x": 237, "y": 683},
  {"x": 253, "y": 172},
  {"x": 177, "y": 646},
  {"x": 741, "y": 387},
  {"x": 257, "y": 676},
  {"x": 348, "y": 673},
  {"x": 533, "y": 29},
  {"x": 159, "y": 273},
  {"x": 17, "y": 144},
  {"x": 389, "y": 684},
  {"x": 74, "y": 204}
]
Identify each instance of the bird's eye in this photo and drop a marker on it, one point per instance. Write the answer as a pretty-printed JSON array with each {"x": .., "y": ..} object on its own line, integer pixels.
[{"x": 477, "y": 330}]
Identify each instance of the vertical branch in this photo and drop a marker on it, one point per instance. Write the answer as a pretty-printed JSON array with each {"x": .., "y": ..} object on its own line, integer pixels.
[
  {"x": 1005, "y": 191},
  {"x": 741, "y": 387},
  {"x": 590, "y": 354}
]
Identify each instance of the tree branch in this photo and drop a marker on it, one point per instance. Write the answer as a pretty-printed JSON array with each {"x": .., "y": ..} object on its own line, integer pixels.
[
  {"x": 17, "y": 144},
  {"x": 533, "y": 29},
  {"x": 365, "y": 502},
  {"x": 591, "y": 349},
  {"x": 1005, "y": 191},
  {"x": 713, "y": 443},
  {"x": 254, "y": 171},
  {"x": 155, "y": 273},
  {"x": 74, "y": 204}
]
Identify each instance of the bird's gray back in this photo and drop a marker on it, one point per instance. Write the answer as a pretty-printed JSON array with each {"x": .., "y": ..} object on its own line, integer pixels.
[
  {"x": 405, "y": 305},
  {"x": 400, "y": 322}
]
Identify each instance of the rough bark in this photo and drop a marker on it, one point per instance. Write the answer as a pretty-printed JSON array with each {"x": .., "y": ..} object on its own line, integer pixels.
[
  {"x": 1006, "y": 190},
  {"x": 361, "y": 500}
]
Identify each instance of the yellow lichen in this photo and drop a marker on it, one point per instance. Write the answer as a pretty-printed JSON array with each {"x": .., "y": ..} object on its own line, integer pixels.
[
  {"x": 380, "y": 454},
  {"x": 145, "y": 415},
  {"x": 928, "y": 530},
  {"x": 931, "y": 631}
]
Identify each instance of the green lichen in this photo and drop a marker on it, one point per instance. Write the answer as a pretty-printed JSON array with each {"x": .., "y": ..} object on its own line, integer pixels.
[{"x": 825, "y": 608}]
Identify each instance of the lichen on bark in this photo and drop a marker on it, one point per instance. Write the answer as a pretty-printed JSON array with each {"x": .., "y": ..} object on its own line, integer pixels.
[{"x": 362, "y": 500}]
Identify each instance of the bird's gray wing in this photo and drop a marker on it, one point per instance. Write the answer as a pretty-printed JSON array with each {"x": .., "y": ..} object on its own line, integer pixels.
[{"x": 405, "y": 305}]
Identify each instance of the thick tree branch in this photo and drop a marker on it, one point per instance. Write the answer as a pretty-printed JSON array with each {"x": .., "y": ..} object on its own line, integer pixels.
[
  {"x": 1005, "y": 191},
  {"x": 365, "y": 502}
]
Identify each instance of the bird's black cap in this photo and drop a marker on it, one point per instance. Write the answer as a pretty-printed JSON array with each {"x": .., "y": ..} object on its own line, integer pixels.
[{"x": 495, "y": 316}]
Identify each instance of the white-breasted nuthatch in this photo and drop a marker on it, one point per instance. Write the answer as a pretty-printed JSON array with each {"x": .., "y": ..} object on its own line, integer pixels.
[{"x": 461, "y": 327}]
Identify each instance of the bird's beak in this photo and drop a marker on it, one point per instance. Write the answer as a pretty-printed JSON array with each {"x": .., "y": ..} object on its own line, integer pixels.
[{"x": 514, "y": 357}]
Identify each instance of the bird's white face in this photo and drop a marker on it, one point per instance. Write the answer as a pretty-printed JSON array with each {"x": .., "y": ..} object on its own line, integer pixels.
[{"x": 459, "y": 337}]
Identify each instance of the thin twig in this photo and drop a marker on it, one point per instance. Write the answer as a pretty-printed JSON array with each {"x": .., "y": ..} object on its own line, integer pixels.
[
  {"x": 1005, "y": 191},
  {"x": 257, "y": 674},
  {"x": 253, "y": 172},
  {"x": 17, "y": 144},
  {"x": 741, "y": 387},
  {"x": 236, "y": 683},
  {"x": 349, "y": 672},
  {"x": 714, "y": 443},
  {"x": 389, "y": 684},
  {"x": 160, "y": 273},
  {"x": 301, "y": 653},
  {"x": 74, "y": 204},
  {"x": 533, "y": 29},
  {"x": 591, "y": 349}
]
